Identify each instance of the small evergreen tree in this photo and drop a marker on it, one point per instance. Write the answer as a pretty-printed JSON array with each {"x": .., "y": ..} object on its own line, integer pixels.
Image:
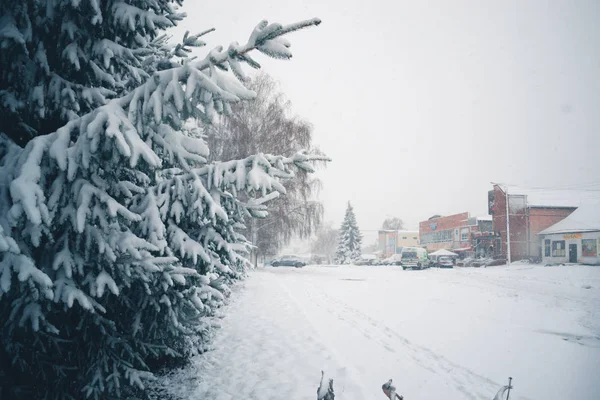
[{"x": 350, "y": 239}]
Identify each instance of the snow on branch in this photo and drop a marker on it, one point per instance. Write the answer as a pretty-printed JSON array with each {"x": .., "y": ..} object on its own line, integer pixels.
[{"x": 116, "y": 220}]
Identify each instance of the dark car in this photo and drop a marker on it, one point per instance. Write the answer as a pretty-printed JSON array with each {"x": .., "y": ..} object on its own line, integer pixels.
[{"x": 288, "y": 262}]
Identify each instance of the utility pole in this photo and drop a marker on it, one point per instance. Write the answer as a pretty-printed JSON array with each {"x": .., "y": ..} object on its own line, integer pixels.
[{"x": 507, "y": 227}]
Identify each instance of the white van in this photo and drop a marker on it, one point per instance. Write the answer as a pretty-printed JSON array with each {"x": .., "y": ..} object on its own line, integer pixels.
[{"x": 414, "y": 258}]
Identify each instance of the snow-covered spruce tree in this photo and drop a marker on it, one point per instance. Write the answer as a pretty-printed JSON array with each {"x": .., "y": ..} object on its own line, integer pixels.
[
  {"x": 61, "y": 59},
  {"x": 118, "y": 238},
  {"x": 349, "y": 239}
]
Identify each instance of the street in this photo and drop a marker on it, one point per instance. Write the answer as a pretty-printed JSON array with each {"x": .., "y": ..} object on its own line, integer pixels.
[{"x": 440, "y": 334}]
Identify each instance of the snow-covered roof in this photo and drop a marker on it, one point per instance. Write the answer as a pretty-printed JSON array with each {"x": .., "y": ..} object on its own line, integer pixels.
[
  {"x": 585, "y": 219},
  {"x": 555, "y": 198},
  {"x": 443, "y": 252},
  {"x": 484, "y": 218}
]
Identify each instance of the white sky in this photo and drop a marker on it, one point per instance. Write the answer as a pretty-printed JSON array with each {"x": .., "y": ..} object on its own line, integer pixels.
[{"x": 421, "y": 104}]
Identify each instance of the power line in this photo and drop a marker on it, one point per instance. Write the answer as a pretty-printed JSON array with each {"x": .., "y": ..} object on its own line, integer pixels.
[{"x": 584, "y": 187}]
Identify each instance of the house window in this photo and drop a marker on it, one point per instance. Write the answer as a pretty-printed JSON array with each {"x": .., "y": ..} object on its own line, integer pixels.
[
  {"x": 414, "y": 237},
  {"x": 404, "y": 237},
  {"x": 547, "y": 248},
  {"x": 558, "y": 248}
]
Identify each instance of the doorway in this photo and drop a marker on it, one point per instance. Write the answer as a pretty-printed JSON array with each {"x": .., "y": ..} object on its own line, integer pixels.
[{"x": 572, "y": 253}]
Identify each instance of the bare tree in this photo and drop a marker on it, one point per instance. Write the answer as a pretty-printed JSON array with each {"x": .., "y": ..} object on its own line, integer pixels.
[
  {"x": 392, "y": 224},
  {"x": 267, "y": 125},
  {"x": 325, "y": 242}
]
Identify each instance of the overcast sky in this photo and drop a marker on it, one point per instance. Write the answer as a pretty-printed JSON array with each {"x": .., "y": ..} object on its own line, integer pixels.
[{"x": 421, "y": 104}]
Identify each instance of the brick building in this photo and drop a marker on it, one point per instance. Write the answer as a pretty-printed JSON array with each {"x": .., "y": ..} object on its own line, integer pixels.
[
  {"x": 453, "y": 232},
  {"x": 529, "y": 214}
]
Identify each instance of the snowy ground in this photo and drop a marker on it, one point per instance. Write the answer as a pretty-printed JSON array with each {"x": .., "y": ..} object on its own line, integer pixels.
[{"x": 440, "y": 334}]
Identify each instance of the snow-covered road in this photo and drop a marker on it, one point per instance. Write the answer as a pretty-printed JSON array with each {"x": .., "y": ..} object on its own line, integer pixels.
[{"x": 440, "y": 334}]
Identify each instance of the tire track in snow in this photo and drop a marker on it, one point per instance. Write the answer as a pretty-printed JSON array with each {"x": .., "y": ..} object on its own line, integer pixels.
[
  {"x": 472, "y": 385},
  {"x": 345, "y": 372}
]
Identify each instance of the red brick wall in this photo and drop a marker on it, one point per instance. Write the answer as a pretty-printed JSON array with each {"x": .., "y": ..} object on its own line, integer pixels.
[
  {"x": 444, "y": 223},
  {"x": 519, "y": 240},
  {"x": 518, "y": 226},
  {"x": 541, "y": 218}
]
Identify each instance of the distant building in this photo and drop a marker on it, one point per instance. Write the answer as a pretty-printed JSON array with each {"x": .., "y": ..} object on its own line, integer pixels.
[
  {"x": 392, "y": 242},
  {"x": 530, "y": 212},
  {"x": 575, "y": 239},
  {"x": 457, "y": 232}
]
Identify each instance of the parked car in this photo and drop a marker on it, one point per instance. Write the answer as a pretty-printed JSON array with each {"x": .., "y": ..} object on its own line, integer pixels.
[
  {"x": 445, "y": 262},
  {"x": 288, "y": 261},
  {"x": 394, "y": 259},
  {"x": 366, "y": 259},
  {"x": 414, "y": 258}
]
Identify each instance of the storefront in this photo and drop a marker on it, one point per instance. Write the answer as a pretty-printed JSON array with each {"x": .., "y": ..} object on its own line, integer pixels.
[
  {"x": 486, "y": 244},
  {"x": 576, "y": 239},
  {"x": 574, "y": 247}
]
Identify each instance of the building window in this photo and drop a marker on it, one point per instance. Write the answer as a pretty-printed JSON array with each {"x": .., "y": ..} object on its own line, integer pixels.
[
  {"x": 558, "y": 249},
  {"x": 589, "y": 247},
  {"x": 547, "y": 248},
  {"x": 436, "y": 237},
  {"x": 414, "y": 237},
  {"x": 464, "y": 235},
  {"x": 404, "y": 237}
]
